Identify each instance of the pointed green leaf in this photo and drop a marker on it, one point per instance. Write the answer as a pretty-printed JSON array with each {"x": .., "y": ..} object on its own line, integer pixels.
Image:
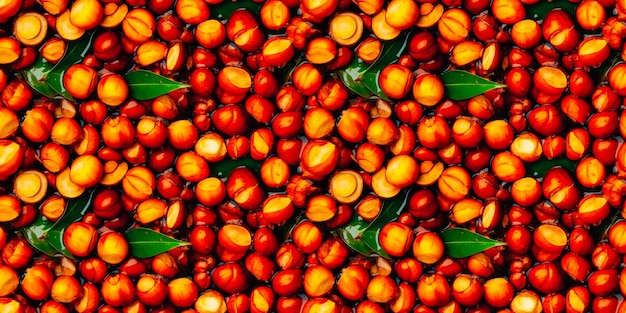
[
  {"x": 223, "y": 10},
  {"x": 362, "y": 78},
  {"x": 146, "y": 85},
  {"x": 600, "y": 73},
  {"x": 355, "y": 227},
  {"x": 74, "y": 211},
  {"x": 351, "y": 78},
  {"x": 370, "y": 238},
  {"x": 283, "y": 73},
  {"x": 370, "y": 81},
  {"x": 392, "y": 50},
  {"x": 351, "y": 235},
  {"x": 542, "y": 166},
  {"x": 55, "y": 81},
  {"x": 55, "y": 240},
  {"x": 74, "y": 52},
  {"x": 36, "y": 233},
  {"x": 599, "y": 232},
  {"x": 146, "y": 243},
  {"x": 362, "y": 236},
  {"x": 539, "y": 10},
  {"x": 462, "y": 85},
  {"x": 35, "y": 76},
  {"x": 391, "y": 209},
  {"x": 223, "y": 168},
  {"x": 284, "y": 231},
  {"x": 461, "y": 243}
]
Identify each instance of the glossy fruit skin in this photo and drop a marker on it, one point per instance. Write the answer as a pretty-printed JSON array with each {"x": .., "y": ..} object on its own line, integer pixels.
[
  {"x": 10, "y": 282},
  {"x": 321, "y": 144},
  {"x": 545, "y": 278},
  {"x": 287, "y": 282},
  {"x": 436, "y": 283},
  {"x": 381, "y": 289},
  {"x": 118, "y": 290},
  {"x": 519, "y": 239},
  {"x": 80, "y": 81},
  {"x": 498, "y": 292},
  {"x": 65, "y": 289},
  {"x": 77, "y": 232},
  {"x": 229, "y": 278},
  {"x": 466, "y": 290},
  {"x": 396, "y": 231},
  {"x": 90, "y": 299},
  {"x": 112, "y": 90},
  {"x": 16, "y": 253},
  {"x": 182, "y": 292},
  {"x": 93, "y": 269},
  {"x": 112, "y": 247},
  {"x": 428, "y": 90}
]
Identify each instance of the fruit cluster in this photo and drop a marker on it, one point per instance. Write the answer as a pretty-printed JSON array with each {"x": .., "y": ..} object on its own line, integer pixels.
[{"x": 280, "y": 133}]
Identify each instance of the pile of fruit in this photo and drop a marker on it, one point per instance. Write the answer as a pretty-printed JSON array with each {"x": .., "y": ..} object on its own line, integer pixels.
[{"x": 317, "y": 156}]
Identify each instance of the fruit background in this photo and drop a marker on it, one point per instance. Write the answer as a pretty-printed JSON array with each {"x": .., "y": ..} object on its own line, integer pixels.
[{"x": 318, "y": 156}]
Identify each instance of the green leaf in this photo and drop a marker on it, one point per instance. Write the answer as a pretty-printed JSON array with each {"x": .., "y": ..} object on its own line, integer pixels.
[
  {"x": 542, "y": 166},
  {"x": 600, "y": 73},
  {"x": 38, "y": 76},
  {"x": 74, "y": 211},
  {"x": 55, "y": 240},
  {"x": 462, "y": 85},
  {"x": 74, "y": 52},
  {"x": 223, "y": 10},
  {"x": 55, "y": 82},
  {"x": 599, "y": 232},
  {"x": 539, "y": 10},
  {"x": 392, "y": 208},
  {"x": 461, "y": 243},
  {"x": 223, "y": 168},
  {"x": 47, "y": 236},
  {"x": 146, "y": 243},
  {"x": 392, "y": 50},
  {"x": 362, "y": 236},
  {"x": 362, "y": 78},
  {"x": 35, "y": 76},
  {"x": 370, "y": 238},
  {"x": 370, "y": 81},
  {"x": 283, "y": 74},
  {"x": 351, "y": 78},
  {"x": 284, "y": 231},
  {"x": 146, "y": 85},
  {"x": 36, "y": 233},
  {"x": 351, "y": 234},
  {"x": 347, "y": 77}
]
